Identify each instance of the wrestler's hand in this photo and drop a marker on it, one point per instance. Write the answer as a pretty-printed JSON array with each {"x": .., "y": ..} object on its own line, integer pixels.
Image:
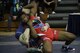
[{"x": 45, "y": 27}]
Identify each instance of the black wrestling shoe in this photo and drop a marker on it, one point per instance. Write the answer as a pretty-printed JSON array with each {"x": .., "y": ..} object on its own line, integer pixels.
[{"x": 67, "y": 48}]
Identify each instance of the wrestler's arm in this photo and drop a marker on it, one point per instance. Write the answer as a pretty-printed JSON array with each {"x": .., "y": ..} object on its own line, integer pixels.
[
  {"x": 32, "y": 13},
  {"x": 33, "y": 32}
]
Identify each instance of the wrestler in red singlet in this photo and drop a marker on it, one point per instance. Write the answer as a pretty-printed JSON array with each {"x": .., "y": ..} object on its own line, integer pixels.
[{"x": 50, "y": 34}]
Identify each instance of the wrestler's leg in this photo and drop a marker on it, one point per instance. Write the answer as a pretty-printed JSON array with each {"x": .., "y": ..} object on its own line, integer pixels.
[
  {"x": 22, "y": 35},
  {"x": 68, "y": 37},
  {"x": 19, "y": 31},
  {"x": 47, "y": 46}
]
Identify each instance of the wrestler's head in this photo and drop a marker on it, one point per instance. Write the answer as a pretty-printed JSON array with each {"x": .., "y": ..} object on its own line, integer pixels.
[
  {"x": 44, "y": 17},
  {"x": 25, "y": 17},
  {"x": 25, "y": 14}
]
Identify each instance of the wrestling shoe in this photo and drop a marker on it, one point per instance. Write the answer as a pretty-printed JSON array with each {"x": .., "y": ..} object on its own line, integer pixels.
[{"x": 67, "y": 48}]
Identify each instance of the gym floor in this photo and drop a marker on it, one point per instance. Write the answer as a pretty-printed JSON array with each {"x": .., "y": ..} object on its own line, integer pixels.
[{"x": 9, "y": 44}]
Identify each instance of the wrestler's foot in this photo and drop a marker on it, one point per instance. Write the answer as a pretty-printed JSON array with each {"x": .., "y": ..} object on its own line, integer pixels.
[{"x": 67, "y": 48}]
